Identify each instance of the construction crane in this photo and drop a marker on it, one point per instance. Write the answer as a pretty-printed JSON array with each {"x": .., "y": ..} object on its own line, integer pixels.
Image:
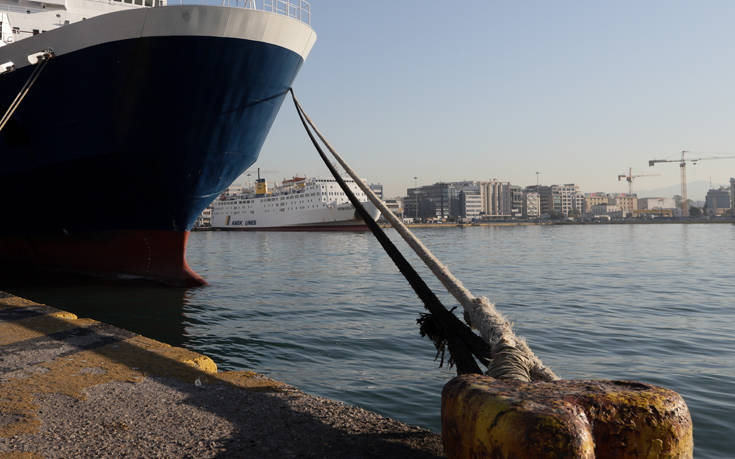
[
  {"x": 683, "y": 167},
  {"x": 629, "y": 178}
]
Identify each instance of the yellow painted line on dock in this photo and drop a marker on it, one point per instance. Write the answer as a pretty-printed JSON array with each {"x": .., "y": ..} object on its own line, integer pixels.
[{"x": 11, "y": 332}]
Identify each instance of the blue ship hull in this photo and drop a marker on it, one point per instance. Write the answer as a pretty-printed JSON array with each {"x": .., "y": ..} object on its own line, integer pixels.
[
  {"x": 138, "y": 134},
  {"x": 129, "y": 138}
]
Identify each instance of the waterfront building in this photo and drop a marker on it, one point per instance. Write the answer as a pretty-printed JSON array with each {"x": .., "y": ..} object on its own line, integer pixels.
[
  {"x": 566, "y": 199},
  {"x": 546, "y": 202},
  {"x": 657, "y": 207},
  {"x": 532, "y": 208},
  {"x": 501, "y": 199},
  {"x": 395, "y": 205},
  {"x": 497, "y": 199},
  {"x": 438, "y": 201},
  {"x": 628, "y": 203},
  {"x": 516, "y": 201},
  {"x": 465, "y": 199},
  {"x": 594, "y": 199},
  {"x": 412, "y": 203},
  {"x": 656, "y": 203},
  {"x": 377, "y": 188},
  {"x": 555, "y": 200},
  {"x": 579, "y": 203},
  {"x": 717, "y": 201},
  {"x": 470, "y": 204},
  {"x": 470, "y": 198}
]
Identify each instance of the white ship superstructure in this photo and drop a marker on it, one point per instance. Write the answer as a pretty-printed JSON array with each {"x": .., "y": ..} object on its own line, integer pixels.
[
  {"x": 24, "y": 18},
  {"x": 297, "y": 204}
]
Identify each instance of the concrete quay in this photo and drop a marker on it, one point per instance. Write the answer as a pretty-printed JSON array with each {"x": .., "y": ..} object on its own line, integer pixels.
[{"x": 75, "y": 387}]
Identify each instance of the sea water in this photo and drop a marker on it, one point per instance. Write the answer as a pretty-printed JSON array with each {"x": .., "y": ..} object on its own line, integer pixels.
[{"x": 330, "y": 314}]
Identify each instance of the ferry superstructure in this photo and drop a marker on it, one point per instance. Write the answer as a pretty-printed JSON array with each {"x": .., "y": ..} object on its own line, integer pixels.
[
  {"x": 143, "y": 114},
  {"x": 297, "y": 204}
]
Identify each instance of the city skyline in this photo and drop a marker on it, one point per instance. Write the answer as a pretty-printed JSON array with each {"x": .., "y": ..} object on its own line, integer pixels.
[
  {"x": 579, "y": 91},
  {"x": 697, "y": 189}
]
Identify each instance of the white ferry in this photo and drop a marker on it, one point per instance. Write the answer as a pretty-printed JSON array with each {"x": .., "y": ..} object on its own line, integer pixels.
[{"x": 298, "y": 204}]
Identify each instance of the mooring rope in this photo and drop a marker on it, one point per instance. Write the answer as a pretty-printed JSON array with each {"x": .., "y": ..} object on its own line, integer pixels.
[
  {"x": 441, "y": 325},
  {"x": 42, "y": 61},
  {"x": 511, "y": 356}
]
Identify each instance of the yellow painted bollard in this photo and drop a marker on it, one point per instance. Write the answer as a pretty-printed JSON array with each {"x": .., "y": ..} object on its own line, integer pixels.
[{"x": 486, "y": 417}]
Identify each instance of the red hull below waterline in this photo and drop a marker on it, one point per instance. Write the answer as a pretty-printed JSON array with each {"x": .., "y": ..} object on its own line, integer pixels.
[{"x": 154, "y": 255}]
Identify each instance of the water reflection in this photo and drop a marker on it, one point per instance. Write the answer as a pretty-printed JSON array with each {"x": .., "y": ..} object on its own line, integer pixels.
[{"x": 149, "y": 309}]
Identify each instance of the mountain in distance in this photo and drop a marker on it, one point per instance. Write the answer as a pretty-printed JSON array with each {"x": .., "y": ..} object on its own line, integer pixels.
[{"x": 696, "y": 190}]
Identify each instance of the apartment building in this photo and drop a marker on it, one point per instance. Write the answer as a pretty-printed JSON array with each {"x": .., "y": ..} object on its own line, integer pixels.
[
  {"x": 546, "y": 204},
  {"x": 532, "y": 205},
  {"x": 516, "y": 201},
  {"x": 566, "y": 199},
  {"x": 470, "y": 204},
  {"x": 594, "y": 199},
  {"x": 628, "y": 203}
]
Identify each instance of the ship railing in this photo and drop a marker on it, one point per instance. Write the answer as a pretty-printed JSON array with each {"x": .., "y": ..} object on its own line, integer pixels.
[{"x": 297, "y": 9}]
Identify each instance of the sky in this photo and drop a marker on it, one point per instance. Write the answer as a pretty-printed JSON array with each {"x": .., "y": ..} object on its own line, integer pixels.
[{"x": 483, "y": 89}]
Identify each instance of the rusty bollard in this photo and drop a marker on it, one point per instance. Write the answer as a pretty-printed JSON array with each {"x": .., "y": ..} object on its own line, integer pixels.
[{"x": 487, "y": 417}]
